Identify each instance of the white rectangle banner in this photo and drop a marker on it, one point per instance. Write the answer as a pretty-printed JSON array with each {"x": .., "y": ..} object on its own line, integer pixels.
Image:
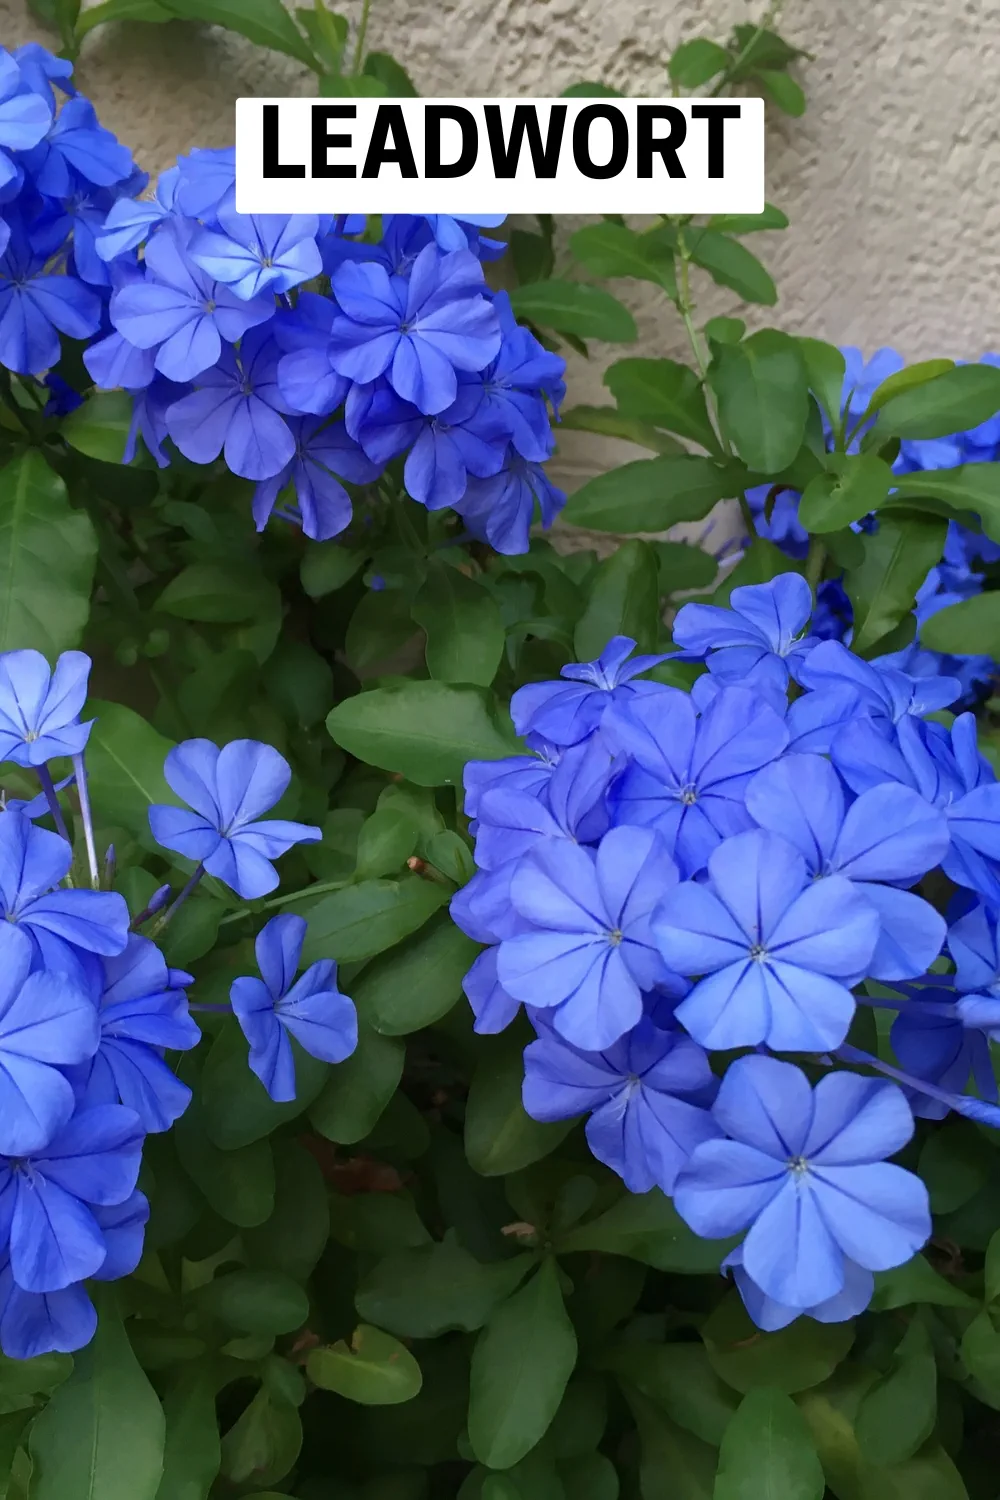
[{"x": 499, "y": 156}]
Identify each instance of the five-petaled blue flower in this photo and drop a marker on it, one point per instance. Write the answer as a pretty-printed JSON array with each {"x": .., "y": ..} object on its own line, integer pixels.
[
  {"x": 229, "y": 790},
  {"x": 40, "y": 708},
  {"x": 764, "y": 626},
  {"x": 804, "y": 1173},
  {"x": 566, "y": 712},
  {"x": 278, "y": 1007}
]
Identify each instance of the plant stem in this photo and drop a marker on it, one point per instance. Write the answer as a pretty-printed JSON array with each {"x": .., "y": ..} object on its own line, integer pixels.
[
  {"x": 53, "y": 802},
  {"x": 359, "y": 45},
  {"x": 766, "y": 21},
  {"x": 310, "y": 890},
  {"x": 172, "y": 908},
  {"x": 88, "y": 821},
  {"x": 814, "y": 563},
  {"x": 685, "y": 306}
]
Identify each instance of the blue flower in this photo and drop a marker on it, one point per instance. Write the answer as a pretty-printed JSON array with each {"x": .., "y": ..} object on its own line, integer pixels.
[
  {"x": 804, "y": 1172},
  {"x": 644, "y": 1096},
  {"x": 306, "y": 378},
  {"x": 229, "y": 789},
  {"x": 47, "y": 1199},
  {"x": 206, "y": 181},
  {"x": 324, "y": 454},
  {"x": 934, "y": 1042},
  {"x": 418, "y": 332},
  {"x": 141, "y": 1011},
  {"x": 25, "y": 116},
  {"x": 78, "y": 149},
  {"x": 40, "y": 70},
  {"x": 688, "y": 773},
  {"x": 513, "y": 813},
  {"x": 763, "y": 623},
  {"x": 129, "y": 221},
  {"x": 500, "y": 509},
  {"x": 34, "y": 1323},
  {"x": 40, "y": 709},
  {"x": 783, "y": 527},
  {"x": 888, "y": 834},
  {"x": 277, "y": 1008},
  {"x": 32, "y": 862},
  {"x": 181, "y": 313},
  {"x": 589, "y": 952},
  {"x": 259, "y": 253},
  {"x": 450, "y": 233},
  {"x": 946, "y": 769},
  {"x": 777, "y": 949},
  {"x": 36, "y": 307},
  {"x": 46, "y": 1022},
  {"x": 443, "y": 450},
  {"x": 770, "y": 1315},
  {"x": 883, "y": 691},
  {"x": 513, "y": 388},
  {"x": 566, "y": 712},
  {"x": 237, "y": 410}
]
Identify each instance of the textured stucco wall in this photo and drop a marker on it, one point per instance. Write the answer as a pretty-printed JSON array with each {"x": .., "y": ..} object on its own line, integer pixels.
[{"x": 892, "y": 179}]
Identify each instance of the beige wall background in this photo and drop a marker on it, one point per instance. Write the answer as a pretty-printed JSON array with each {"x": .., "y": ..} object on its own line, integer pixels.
[{"x": 891, "y": 180}]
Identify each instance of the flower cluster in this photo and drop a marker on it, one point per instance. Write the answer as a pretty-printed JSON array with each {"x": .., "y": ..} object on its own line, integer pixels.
[
  {"x": 303, "y": 350},
  {"x": 958, "y": 576},
  {"x": 89, "y": 1006},
  {"x": 672, "y": 876}
]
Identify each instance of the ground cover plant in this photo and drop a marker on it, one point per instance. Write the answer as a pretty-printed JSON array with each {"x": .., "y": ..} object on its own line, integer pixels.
[{"x": 479, "y": 1020}]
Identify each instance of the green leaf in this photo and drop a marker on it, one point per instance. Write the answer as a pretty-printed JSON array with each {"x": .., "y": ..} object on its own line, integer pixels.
[
  {"x": 365, "y": 919},
  {"x": 520, "y": 1366},
  {"x": 100, "y": 427},
  {"x": 101, "y": 1436},
  {"x": 424, "y": 730},
  {"x": 783, "y": 91},
  {"x": 653, "y": 494},
  {"x": 254, "y": 1301},
  {"x": 969, "y": 487},
  {"x": 121, "y": 10},
  {"x": 236, "y": 1107},
  {"x": 358, "y": 1090},
  {"x": 679, "y": 1380},
  {"x": 825, "y": 371},
  {"x": 590, "y": 91},
  {"x": 418, "y": 982},
  {"x": 767, "y": 1451},
  {"x": 392, "y": 75},
  {"x": 590, "y": 1477},
  {"x": 263, "y": 1444},
  {"x": 293, "y": 1238},
  {"x": 800, "y": 1356},
  {"x": 732, "y": 265},
  {"x": 980, "y": 1351},
  {"x": 672, "y": 1462},
  {"x": 465, "y": 634},
  {"x": 761, "y": 387},
  {"x": 238, "y": 1184},
  {"x": 192, "y": 1454},
  {"x": 219, "y": 594},
  {"x": 613, "y": 250},
  {"x": 646, "y": 1227},
  {"x": 374, "y": 1370},
  {"x": 327, "y": 566},
  {"x": 896, "y": 560},
  {"x": 327, "y": 33},
  {"x": 569, "y": 307},
  {"x": 610, "y": 422},
  {"x": 125, "y": 758},
  {"x": 47, "y": 556},
  {"x": 954, "y": 401},
  {"x": 761, "y": 562},
  {"x": 853, "y": 485},
  {"x": 965, "y": 629},
  {"x": 682, "y": 566},
  {"x": 386, "y": 841},
  {"x": 758, "y": 47},
  {"x": 665, "y": 393},
  {"x": 624, "y": 600},
  {"x": 264, "y": 22},
  {"x": 427, "y": 1290},
  {"x": 771, "y": 218},
  {"x": 916, "y": 1282},
  {"x": 897, "y": 1415},
  {"x": 696, "y": 61},
  {"x": 906, "y": 379},
  {"x": 499, "y": 1136}
]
